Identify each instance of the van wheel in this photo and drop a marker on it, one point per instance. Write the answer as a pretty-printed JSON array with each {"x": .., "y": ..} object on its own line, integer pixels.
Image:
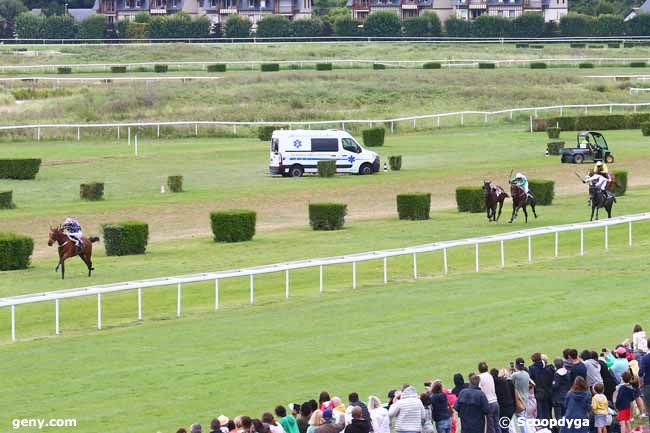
[
  {"x": 609, "y": 159},
  {"x": 365, "y": 169},
  {"x": 296, "y": 171},
  {"x": 578, "y": 159}
]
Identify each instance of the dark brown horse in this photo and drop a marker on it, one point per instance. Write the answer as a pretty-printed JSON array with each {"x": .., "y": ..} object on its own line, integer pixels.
[
  {"x": 68, "y": 249},
  {"x": 493, "y": 195},
  {"x": 600, "y": 200},
  {"x": 520, "y": 200}
]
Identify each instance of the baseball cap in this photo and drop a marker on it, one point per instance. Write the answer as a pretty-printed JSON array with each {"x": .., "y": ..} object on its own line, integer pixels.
[
  {"x": 327, "y": 414},
  {"x": 621, "y": 350},
  {"x": 519, "y": 362}
]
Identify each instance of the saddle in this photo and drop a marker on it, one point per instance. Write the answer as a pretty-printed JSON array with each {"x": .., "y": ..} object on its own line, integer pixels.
[{"x": 498, "y": 190}]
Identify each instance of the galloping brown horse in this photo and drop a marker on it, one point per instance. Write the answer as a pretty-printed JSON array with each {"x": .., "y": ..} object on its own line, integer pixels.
[
  {"x": 494, "y": 195},
  {"x": 520, "y": 200},
  {"x": 67, "y": 249}
]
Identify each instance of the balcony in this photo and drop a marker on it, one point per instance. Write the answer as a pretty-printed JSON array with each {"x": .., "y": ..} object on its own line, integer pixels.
[
  {"x": 360, "y": 5},
  {"x": 477, "y": 4}
]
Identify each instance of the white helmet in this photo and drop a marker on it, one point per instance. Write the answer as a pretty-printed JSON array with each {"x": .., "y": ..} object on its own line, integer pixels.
[
  {"x": 599, "y": 164},
  {"x": 519, "y": 175}
]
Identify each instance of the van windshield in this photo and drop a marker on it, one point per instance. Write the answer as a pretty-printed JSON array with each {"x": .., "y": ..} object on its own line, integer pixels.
[
  {"x": 350, "y": 145},
  {"x": 274, "y": 145}
]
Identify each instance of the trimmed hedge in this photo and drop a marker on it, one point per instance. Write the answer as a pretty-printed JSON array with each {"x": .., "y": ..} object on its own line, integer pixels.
[
  {"x": 521, "y": 45},
  {"x": 265, "y": 133},
  {"x": 15, "y": 251},
  {"x": 645, "y": 128},
  {"x": 470, "y": 199},
  {"x": 613, "y": 45},
  {"x": 621, "y": 182},
  {"x": 431, "y": 65},
  {"x": 395, "y": 162},
  {"x": 6, "y": 200},
  {"x": 378, "y": 66},
  {"x": 537, "y": 47},
  {"x": 326, "y": 168},
  {"x": 553, "y": 147},
  {"x": 64, "y": 70},
  {"x": 160, "y": 68},
  {"x": 323, "y": 66},
  {"x": 487, "y": 66},
  {"x": 415, "y": 206},
  {"x": 638, "y": 64},
  {"x": 538, "y": 65},
  {"x": 118, "y": 69},
  {"x": 125, "y": 238},
  {"x": 175, "y": 183},
  {"x": 544, "y": 191},
  {"x": 629, "y": 44},
  {"x": 596, "y": 46},
  {"x": 219, "y": 67},
  {"x": 19, "y": 168},
  {"x": 586, "y": 65},
  {"x": 91, "y": 191},
  {"x": 578, "y": 45},
  {"x": 327, "y": 216},
  {"x": 234, "y": 225},
  {"x": 595, "y": 122},
  {"x": 553, "y": 132},
  {"x": 374, "y": 137},
  {"x": 270, "y": 67}
]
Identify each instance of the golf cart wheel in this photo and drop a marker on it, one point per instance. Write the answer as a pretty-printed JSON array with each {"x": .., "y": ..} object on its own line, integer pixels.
[
  {"x": 609, "y": 159},
  {"x": 365, "y": 169},
  {"x": 296, "y": 171},
  {"x": 578, "y": 159}
]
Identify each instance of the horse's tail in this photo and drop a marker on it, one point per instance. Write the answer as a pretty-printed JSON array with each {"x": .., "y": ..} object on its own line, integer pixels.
[{"x": 93, "y": 239}]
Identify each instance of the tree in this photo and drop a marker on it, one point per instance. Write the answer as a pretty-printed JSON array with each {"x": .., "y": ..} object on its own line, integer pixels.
[
  {"x": 307, "y": 27},
  {"x": 346, "y": 26},
  {"x": 59, "y": 27},
  {"x": 638, "y": 26},
  {"x": 274, "y": 26},
  {"x": 321, "y": 8},
  {"x": 426, "y": 25},
  {"x": 528, "y": 25},
  {"x": 458, "y": 28},
  {"x": 610, "y": 25},
  {"x": 93, "y": 27},
  {"x": 382, "y": 24},
  {"x": 200, "y": 28},
  {"x": 237, "y": 27},
  {"x": 9, "y": 11},
  {"x": 489, "y": 26},
  {"x": 574, "y": 24}
]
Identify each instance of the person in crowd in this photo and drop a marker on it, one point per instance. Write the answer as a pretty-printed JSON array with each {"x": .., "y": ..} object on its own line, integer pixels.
[
  {"x": 288, "y": 422},
  {"x": 624, "y": 399},
  {"x": 599, "y": 407},
  {"x": 238, "y": 427},
  {"x": 639, "y": 341},
  {"x": 577, "y": 407},
  {"x": 636, "y": 385},
  {"x": 644, "y": 380},
  {"x": 338, "y": 408},
  {"x": 618, "y": 361},
  {"x": 215, "y": 426},
  {"x": 330, "y": 425},
  {"x": 593, "y": 369},
  {"x": 378, "y": 415},
  {"x": 505, "y": 391},
  {"x": 353, "y": 398},
  {"x": 315, "y": 421},
  {"x": 313, "y": 404},
  {"x": 543, "y": 379},
  {"x": 232, "y": 425},
  {"x": 451, "y": 397},
  {"x": 609, "y": 381},
  {"x": 324, "y": 401},
  {"x": 274, "y": 427},
  {"x": 196, "y": 428},
  {"x": 531, "y": 403},
  {"x": 459, "y": 384},
  {"x": 487, "y": 386},
  {"x": 520, "y": 379},
  {"x": 246, "y": 424},
  {"x": 441, "y": 410},
  {"x": 407, "y": 411},
  {"x": 358, "y": 423},
  {"x": 181, "y": 430},
  {"x": 472, "y": 407},
  {"x": 561, "y": 386},
  {"x": 427, "y": 424},
  {"x": 578, "y": 367},
  {"x": 303, "y": 418},
  {"x": 223, "y": 422},
  {"x": 259, "y": 426}
]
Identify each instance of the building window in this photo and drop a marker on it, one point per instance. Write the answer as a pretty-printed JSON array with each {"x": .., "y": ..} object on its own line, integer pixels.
[{"x": 512, "y": 14}]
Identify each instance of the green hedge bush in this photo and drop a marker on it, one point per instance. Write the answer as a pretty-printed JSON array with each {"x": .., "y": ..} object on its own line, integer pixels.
[
  {"x": 613, "y": 45},
  {"x": 621, "y": 182},
  {"x": 629, "y": 44},
  {"x": 326, "y": 168},
  {"x": 265, "y": 133},
  {"x": 538, "y": 65},
  {"x": 19, "y": 168},
  {"x": 92, "y": 191},
  {"x": 470, "y": 199},
  {"x": 645, "y": 128},
  {"x": 6, "y": 200},
  {"x": 161, "y": 69},
  {"x": 578, "y": 45},
  {"x": 586, "y": 65},
  {"x": 374, "y": 137},
  {"x": 431, "y": 65},
  {"x": 553, "y": 132},
  {"x": 118, "y": 69},
  {"x": 415, "y": 206},
  {"x": 553, "y": 147},
  {"x": 521, "y": 45},
  {"x": 637, "y": 64},
  {"x": 594, "y": 122},
  {"x": 327, "y": 216},
  {"x": 487, "y": 66},
  {"x": 175, "y": 183},
  {"x": 378, "y": 66},
  {"x": 537, "y": 47},
  {"x": 15, "y": 251},
  {"x": 395, "y": 162},
  {"x": 233, "y": 225},
  {"x": 64, "y": 70},
  {"x": 219, "y": 67},
  {"x": 323, "y": 66},
  {"x": 544, "y": 191},
  {"x": 596, "y": 46},
  {"x": 125, "y": 238},
  {"x": 270, "y": 67}
]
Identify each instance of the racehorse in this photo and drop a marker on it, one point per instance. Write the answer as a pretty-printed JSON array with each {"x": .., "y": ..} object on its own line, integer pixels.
[
  {"x": 68, "y": 249},
  {"x": 520, "y": 200},
  {"x": 598, "y": 200},
  {"x": 493, "y": 196}
]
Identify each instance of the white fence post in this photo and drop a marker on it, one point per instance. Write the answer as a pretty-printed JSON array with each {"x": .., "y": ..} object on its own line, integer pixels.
[
  {"x": 385, "y": 270},
  {"x": 178, "y": 300},
  {"x": 503, "y": 257},
  {"x": 99, "y": 311},
  {"x": 78, "y": 134},
  {"x": 476, "y": 257},
  {"x": 320, "y": 278},
  {"x": 139, "y": 303},
  {"x": 531, "y": 123},
  {"x": 136, "y": 145},
  {"x": 13, "y": 323},
  {"x": 196, "y": 130},
  {"x": 252, "y": 284},
  {"x": 444, "y": 260},
  {"x": 158, "y": 131},
  {"x": 56, "y": 317},
  {"x": 286, "y": 284},
  {"x": 38, "y": 134},
  {"x": 354, "y": 275},
  {"x": 129, "y": 134},
  {"x": 216, "y": 293},
  {"x": 438, "y": 121},
  {"x": 118, "y": 133},
  {"x": 530, "y": 249},
  {"x": 582, "y": 242},
  {"x": 462, "y": 119},
  {"x": 486, "y": 118},
  {"x": 392, "y": 127},
  {"x": 415, "y": 266}
]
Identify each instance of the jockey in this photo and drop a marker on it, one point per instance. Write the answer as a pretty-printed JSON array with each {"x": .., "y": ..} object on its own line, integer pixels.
[
  {"x": 601, "y": 168},
  {"x": 600, "y": 182},
  {"x": 521, "y": 180},
  {"x": 72, "y": 229}
]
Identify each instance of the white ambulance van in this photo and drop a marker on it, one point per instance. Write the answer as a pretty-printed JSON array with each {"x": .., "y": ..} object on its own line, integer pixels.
[{"x": 295, "y": 152}]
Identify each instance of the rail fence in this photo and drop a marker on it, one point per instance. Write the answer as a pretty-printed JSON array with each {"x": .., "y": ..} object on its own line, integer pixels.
[
  {"x": 59, "y": 80},
  {"x": 391, "y": 123},
  {"x": 178, "y": 281},
  {"x": 637, "y": 90}
]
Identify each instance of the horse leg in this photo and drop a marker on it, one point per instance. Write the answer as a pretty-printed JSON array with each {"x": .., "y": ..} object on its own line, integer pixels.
[
  {"x": 525, "y": 214},
  {"x": 592, "y": 212},
  {"x": 63, "y": 269},
  {"x": 499, "y": 214},
  {"x": 532, "y": 206},
  {"x": 488, "y": 210},
  {"x": 514, "y": 213},
  {"x": 88, "y": 262}
]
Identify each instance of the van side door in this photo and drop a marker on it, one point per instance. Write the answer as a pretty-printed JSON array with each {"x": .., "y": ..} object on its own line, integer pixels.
[
  {"x": 350, "y": 152},
  {"x": 323, "y": 149}
]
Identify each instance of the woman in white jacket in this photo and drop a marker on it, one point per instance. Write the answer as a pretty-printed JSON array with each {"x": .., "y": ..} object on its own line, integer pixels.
[
  {"x": 408, "y": 411},
  {"x": 639, "y": 340},
  {"x": 379, "y": 415}
]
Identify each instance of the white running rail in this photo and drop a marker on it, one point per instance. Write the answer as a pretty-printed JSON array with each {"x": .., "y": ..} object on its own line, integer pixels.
[
  {"x": 108, "y": 79},
  {"x": 178, "y": 281}
]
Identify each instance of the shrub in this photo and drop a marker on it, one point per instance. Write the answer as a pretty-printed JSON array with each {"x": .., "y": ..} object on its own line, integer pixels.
[
  {"x": 64, "y": 70},
  {"x": 629, "y": 44},
  {"x": 609, "y": 25},
  {"x": 346, "y": 26},
  {"x": 265, "y": 133},
  {"x": 15, "y": 251},
  {"x": 19, "y": 168},
  {"x": 645, "y": 128},
  {"x": 491, "y": 26},
  {"x": 30, "y": 26},
  {"x": 327, "y": 216},
  {"x": 621, "y": 182},
  {"x": 160, "y": 68},
  {"x": 487, "y": 65},
  {"x": 554, "y": 147},
  {"x": 326, "y": 168},
  {"x": 638, "y": 26},
  {"x": 382, "y": 24},
  {"x": 578, "y": 45},
  {"x": 637, "y": 64},
  {"x": 274, "y": 26},
  {"x": 538, "y": 65},
  {"x": 521, "y": 45},
  {"x": 596, "y": 122},
  {"x": 125, "y": 238},
  {"x": 395, "y": 162},
  {"x": 237, "y": 26},
  {"x": 270, "y": 67},
  {"x": 574, "y": 24},
  {"x": 595, "y": 46},
  {"x": 425, "y": 25},
  {"x": 528, "y": 25},
  {"x": 175, "y": 183},
  {"x": 537, "y": 47},
  {"x": 6, "y": 201},
  {"x": 544, "y": 191},
  {"x": 118, "y": 69},
  {"x": 59, "y": 27},
  {"x": 93, "y": 27},
  {"x": 378, "y": 66},
  {"x": 234, "y": 225},
  {"x": 323, "y": 66},
  {"x": 305, "y": 28},
  {"x": 91, "y": 191},
  {"x": 374, "y": 136},
  {"x": 432, "y": 65},
  {"x": 470, "y": 199},
  {"x": 457, "y": 27},
  {"x": 586, "y": 65},
  {"x": 613, "y": 45},
  {"x": 553, "y": 132},
  {"x": 415, "y": 206},
  {"x": 219, "y": 67}
]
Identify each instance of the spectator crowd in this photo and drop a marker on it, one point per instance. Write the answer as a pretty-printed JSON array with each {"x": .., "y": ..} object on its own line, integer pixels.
[{"x": 578, "y": 392}]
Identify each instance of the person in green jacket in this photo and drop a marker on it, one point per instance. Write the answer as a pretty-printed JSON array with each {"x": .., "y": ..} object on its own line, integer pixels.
[{"x": 288, "y": 422}]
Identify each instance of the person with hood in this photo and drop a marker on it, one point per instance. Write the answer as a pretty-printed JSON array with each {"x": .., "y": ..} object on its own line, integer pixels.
[
  {"x": 358, "y": 423},
  {"x": 505, "y": 391},
  {"x": 577, "y": 407},
  {"x": 472, "y": 407},
  {"x": 459, "y": 384},
  {"x": 561, "y": 386},
  {"x": 378, "y": 415},
  {"x": 593, "y": 369},
  {"x": 288, "y": 422},
  {"x": 407, "y": 411},
  {"x": 543, "y": 379}
]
